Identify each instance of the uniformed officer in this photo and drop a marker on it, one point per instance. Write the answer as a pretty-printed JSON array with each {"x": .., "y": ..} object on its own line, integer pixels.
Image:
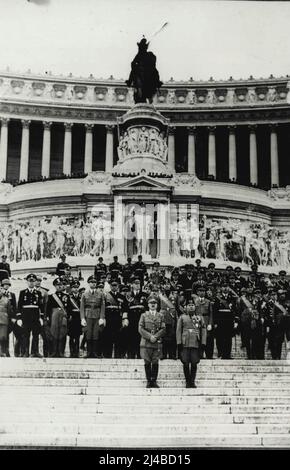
[
  {"x": 115, "y": 269},
  {"x": 136, "y": 306},
  {"x": 74, "y": 319},
  {"x": 116, "y": 312},
  {"x": 187, "y": 282},
  {"x": 6, "y": 283},
  {"x": 100, "y": 269},
  {"x": 92, "y": 309},
  {"x": 30, "y": 315},
  {"x": 45, "y": 330},
  {"x": 277, "y": 325},
  {"x": 57, "y": 311},
  {"x": 61, "y": 267},
  {"x": 204, "y": 309},
  {"x": 225, "y": 321},
  {"x": 127, "y": 271},
  {"x": 190, "y": 336},
  {"x": 5, "y": 318},
  {"x": 140, "y": 270},
  {"x": 5, "y": 271},
  {"x": 169, "y": 311},
  {"x": 151, "y": 329}
]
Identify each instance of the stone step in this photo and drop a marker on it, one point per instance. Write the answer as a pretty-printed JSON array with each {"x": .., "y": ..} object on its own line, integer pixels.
[
  {"x": 141, "y": 382},
  {"x": 137, "y": 393},
  {"x": 177, "y": 375},
  {"x": 14, "y": 416}
]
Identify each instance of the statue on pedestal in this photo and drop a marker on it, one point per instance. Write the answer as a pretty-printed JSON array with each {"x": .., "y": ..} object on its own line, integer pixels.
[{"x": 144, "y": 76}]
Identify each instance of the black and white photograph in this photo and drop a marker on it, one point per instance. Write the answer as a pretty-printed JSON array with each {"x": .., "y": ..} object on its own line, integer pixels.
[{"x": 144, "y": 228}]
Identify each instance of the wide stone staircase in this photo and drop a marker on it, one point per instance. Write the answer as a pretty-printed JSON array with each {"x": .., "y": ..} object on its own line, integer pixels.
[{"x": 103, "y": 403}]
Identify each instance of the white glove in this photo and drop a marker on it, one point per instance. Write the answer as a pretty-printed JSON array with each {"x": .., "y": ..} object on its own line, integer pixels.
[
  {"x": 83, "y": 322},
  {"x": 153, "y": 339},
  {"x": 235, "y": 326},
  {"x": 19, "y": 322},
  {"x": 102, "y": 322},
  {"x": 209, "y": 327},
  {"x": 41, "y": 322},
  {"x": 125, "y": 322}
]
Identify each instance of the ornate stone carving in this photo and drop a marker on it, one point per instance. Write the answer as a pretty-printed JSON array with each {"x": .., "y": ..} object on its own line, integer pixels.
[
  {"x": 184, "y": 179},
  {"x": 5, "y": 188},
  {"x": 280, "y": 193},
  {"x": 142, "y": 140},
  {"x": 59, "y": 90},
  {"x": 80, "y": 91},
  {"x": 97, "y": 177}
]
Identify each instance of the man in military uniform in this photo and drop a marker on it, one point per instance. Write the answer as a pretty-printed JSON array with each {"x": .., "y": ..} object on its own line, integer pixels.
[
  {"x": 5, "y": 271},
  {"x": 136, "y": 306},
  {"x": 190, "y": 336},
  {"x": 61, "y": 267},
  {"x": 187, "y": 282},
  {"x": 203, "y": 308},
  {"x": 45, "y": 330},
  {"x": 115, "y": 269},
  {"x": 92, "y": 309},
  {"x": 127, "y": 271},
  {"x": 30, "y": 315},
  {"x": 211, "y": 274},
  {"x": 5, "y": 318},
  {"x": 74, "y": 319},
  {"x": 116, "y": 314},
  {"x": 168, "y": 309},
  {"x": 57, "y": 310},
  {"x": 12, "y": 318},
  {"x": 100, "y": 269},
  {"x": 140, "y": 270},
  {"x": 151, "y": 329},
  {"x": 225, "y": 321},
  {"x": 277, "y": 325}
]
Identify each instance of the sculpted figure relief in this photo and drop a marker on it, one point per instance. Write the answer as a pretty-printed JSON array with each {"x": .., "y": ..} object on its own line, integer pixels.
[{"x": 143, "y": 140}]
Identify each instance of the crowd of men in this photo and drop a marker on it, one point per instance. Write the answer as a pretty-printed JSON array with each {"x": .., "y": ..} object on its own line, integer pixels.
[{"x": 105, "y": 318}]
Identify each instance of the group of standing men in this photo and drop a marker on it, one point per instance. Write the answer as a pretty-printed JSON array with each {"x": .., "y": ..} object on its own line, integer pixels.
[{"x": 127, "y": 312}]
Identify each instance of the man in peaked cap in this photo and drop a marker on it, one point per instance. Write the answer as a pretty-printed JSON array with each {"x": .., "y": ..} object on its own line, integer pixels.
[
  {"x": 57, "y": 310},
  {"x": 5, "y": 271},
  {"x": 62, "y": 266},
  {"x": 18, "y": 331},
  {"x": 74, "y": 319},
  {"x": 92, "y": 308},
  {"x": 116, "y": 312},
  {"x": 30, "y": 315}
]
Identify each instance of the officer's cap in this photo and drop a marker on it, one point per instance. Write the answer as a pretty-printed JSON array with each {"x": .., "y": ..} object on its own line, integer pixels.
[
  {"x": 31, "y": 277},
  {"x": 152, "y": 300},
  {"x": 229, "y": 268},
  {"x": 92, "y": 279},
  {"x": 257, "y": 290},
  {"x": 4, "y": 256},
  {"x": 125, "y": 289},
  {"x": 57, "y": 282},
  {"x": 135, "y": 279},
  {"x": 75, "y": 283},
  {"x": 100, "y": 285},
  {"x": 237, "y": 269},
  {"x": 114, "y": 282},
  {"x": 156, "y": 263},
  {"x": 282, "y": 273},
  {"x": 6, "y": 282},
  {"x": 211, "y": 265},
  {"x": 201, "y": 287}
]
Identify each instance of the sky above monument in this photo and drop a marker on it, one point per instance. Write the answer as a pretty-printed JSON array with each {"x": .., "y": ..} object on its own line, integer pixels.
[{"x": 203, "y": 38}]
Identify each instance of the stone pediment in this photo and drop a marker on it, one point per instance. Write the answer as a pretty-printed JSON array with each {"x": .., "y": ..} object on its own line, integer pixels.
[{"x": 142, "y": 183}]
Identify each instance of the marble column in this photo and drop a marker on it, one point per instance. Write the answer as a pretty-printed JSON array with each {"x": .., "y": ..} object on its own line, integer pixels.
[
  {"x": 232, "y": 153},
  {"x": 171, "y": 148},
  {"x": 88, "y": 165},
  {"x": 45, "y": 167},
  {"x": 274, "y": 156},
  {"x": 163, "y": 229},
  {"x": 109, "y": 148},
  {"x": 119, "y": 239},
  {"x": 3, "y": 148},
  {"x": 67, "y": 155},
  {"x": 211, "y": 152},
  {"x": 191, "y": 150},
  {"x": 253, "y": 156},
  {"x": 24, "y": 153}
]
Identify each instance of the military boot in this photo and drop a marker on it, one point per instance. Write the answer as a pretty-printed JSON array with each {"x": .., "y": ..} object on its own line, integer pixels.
[
  {"x": 192, "y": 376},
  {"x": 148, "y": 374},
  {"x": 155, "y": 368},
  {"x": 186, "y": 375}
]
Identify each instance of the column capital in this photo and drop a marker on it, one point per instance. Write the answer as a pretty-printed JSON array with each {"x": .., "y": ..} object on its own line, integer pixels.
[
  {"x": 110, "y": 127},
  {"x": 25, "y": 123},
  {"x": 211, "y": 129},
  {"x": 232, "y": 127},
  {"x": 191, "y": 129},
  {"x": 47, "y": 124},
  {"x": 68, "y": 125},
  {"x": 171, "y": 130},
  {"x": 252, "y": 127},
  {"x": 89, "y": 127},
  {"x": 4, "y": 121},
  {"x": 273, "y": 127}
]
